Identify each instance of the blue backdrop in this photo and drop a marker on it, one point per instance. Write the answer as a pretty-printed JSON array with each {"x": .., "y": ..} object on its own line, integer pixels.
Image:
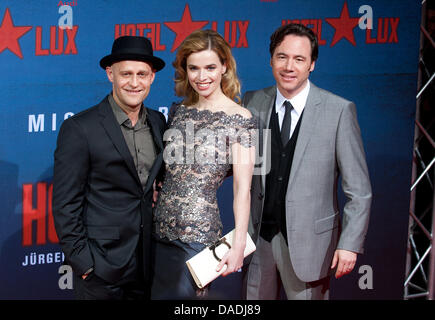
[{"x": 49, "y": 73}]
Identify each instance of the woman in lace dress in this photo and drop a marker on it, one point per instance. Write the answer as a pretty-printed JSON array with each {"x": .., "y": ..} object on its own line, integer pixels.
[{"x": 209, "y": 135}]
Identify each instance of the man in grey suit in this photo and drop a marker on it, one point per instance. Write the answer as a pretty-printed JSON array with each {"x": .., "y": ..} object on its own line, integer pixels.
[{"x": 313, "y": 138}]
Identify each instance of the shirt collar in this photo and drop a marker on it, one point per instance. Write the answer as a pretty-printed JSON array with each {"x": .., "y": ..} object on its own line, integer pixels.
[
  {"x": 298, "y": 102},
  {"x": 120, "y": 115}
]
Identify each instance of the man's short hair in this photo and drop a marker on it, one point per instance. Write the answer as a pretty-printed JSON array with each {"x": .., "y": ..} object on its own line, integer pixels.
[{"x": 298, "y": 30}]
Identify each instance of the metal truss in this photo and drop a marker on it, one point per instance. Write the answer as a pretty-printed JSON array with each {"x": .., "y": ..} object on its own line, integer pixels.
[{"x": 420, "y": 272}]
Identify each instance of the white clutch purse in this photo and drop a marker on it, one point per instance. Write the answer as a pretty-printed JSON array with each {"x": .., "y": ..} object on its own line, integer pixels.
[{"x": 203, "y": 265}]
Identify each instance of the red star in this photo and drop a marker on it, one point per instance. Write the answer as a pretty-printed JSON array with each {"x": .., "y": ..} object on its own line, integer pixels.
[
  {"x": 343, "y": 26},
  {"x": 184, "y": 27},
  {"x": 9, "y": 35}
]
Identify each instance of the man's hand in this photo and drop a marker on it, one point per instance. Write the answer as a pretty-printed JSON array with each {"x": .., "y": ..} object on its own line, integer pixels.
[{"x": 344, "y": 260}]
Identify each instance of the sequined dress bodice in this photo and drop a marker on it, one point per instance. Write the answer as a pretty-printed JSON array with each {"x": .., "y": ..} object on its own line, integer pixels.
[{"x": 197, "y": 159}]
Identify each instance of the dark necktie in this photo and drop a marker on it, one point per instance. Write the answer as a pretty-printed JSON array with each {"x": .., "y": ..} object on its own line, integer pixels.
[{"x": 286, "y": 123}]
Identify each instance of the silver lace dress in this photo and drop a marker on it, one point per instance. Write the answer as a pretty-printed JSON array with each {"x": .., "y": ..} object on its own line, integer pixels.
[{"x": 197, "y": 158}]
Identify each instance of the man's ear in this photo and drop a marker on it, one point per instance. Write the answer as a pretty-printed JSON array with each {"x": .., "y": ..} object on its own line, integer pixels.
[
  {"x": 109, "y": 73},
  {"x": 312, "y": 66}
]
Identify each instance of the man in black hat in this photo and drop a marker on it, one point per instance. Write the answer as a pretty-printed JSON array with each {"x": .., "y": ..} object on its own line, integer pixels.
[{"x": 105, "y": 165}]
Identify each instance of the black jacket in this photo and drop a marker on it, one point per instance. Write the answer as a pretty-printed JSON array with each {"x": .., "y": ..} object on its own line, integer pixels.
[{"x": 99, "y": 205}]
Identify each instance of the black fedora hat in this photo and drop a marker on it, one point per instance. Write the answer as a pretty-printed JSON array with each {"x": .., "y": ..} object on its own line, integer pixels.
[{"x": 132, "y": 48}]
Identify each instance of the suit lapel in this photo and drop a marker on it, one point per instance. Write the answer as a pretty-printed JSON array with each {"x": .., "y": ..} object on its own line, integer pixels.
[
  {"x": 308, "y": 127},
  {"x": 269, "y": 102},
  {"x": 108, "y": 121},
  {"x": 153, "y": 121}
]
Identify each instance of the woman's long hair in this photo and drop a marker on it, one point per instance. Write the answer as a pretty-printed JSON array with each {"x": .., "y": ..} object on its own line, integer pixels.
[{"x": 205, "y": 40}]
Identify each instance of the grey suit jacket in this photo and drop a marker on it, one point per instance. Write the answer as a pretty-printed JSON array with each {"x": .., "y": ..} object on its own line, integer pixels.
[{"x": 329, "y": 144}]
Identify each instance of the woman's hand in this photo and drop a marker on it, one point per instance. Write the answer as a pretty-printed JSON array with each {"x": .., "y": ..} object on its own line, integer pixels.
[{"x": 233, "y": 259}]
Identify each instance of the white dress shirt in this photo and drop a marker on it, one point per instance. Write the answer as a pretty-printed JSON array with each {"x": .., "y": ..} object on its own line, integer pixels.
[{"x": 298, "y": 102}]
